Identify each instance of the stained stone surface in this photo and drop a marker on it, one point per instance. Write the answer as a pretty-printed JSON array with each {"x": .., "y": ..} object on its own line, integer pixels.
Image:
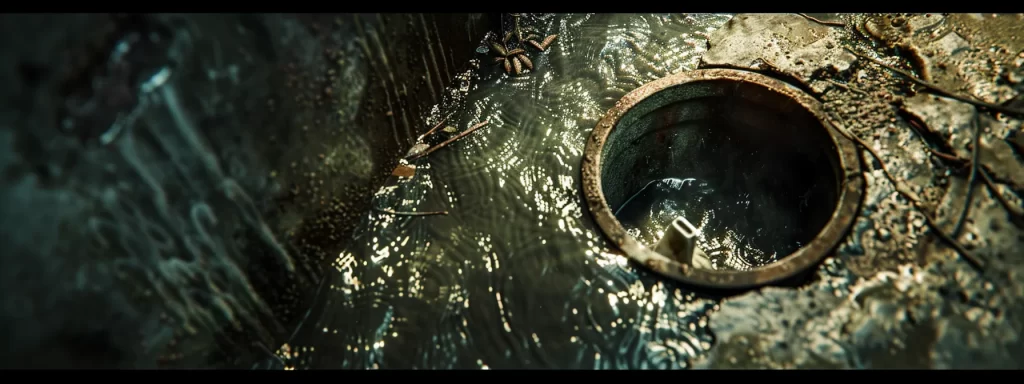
[{"x": 894, "y": 295}]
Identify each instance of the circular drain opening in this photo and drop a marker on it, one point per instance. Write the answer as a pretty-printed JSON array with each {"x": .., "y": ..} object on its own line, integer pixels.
[{"x": 721, "y": 178}]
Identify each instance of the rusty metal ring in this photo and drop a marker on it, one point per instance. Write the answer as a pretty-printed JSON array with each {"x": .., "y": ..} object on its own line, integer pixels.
[{"x": 851, "y": 186}]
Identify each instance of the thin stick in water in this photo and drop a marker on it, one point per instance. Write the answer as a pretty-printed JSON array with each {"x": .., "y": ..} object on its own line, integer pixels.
[
  {"x": 391, "y": 212},
  {"x": 449, "y": 141},
  {"x": 439, "y": 124}
]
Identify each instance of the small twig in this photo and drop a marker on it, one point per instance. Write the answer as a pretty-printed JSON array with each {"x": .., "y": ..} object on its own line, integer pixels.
[
  {"x": 946, "y": 156},
  {"x": 930, "y": 28},
  {"x": 439, "y": 124},
  {"x": 823, "y": 22},
  {"x": 847, "y": 87},
  {"x": 1013, "y": 209},
  {"x": 449, "y": 141},
  {"x": 991, "y": 184},
  {"x": 1013, "y": 100},
  {"x": 938, "y": 90},
  {"x": 969, "y": 195},
  {"x": 390, "y": 212},
  {"x": 912, "y": 197}
]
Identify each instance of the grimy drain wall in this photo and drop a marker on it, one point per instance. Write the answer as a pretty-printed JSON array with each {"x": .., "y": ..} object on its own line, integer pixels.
[
  {"x": 659, "y": 136},
  {"x": 777, "y": 183}
]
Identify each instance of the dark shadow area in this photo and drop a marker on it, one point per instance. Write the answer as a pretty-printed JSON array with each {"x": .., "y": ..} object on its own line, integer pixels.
[
  {"x": 751, "y": 168},
  {"x": 175, "y": 186}
]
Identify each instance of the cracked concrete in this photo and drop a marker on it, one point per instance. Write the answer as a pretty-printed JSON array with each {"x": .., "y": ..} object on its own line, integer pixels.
[
  {"x": 784, "y": 43},
  {"x": 894, "y": 295}
]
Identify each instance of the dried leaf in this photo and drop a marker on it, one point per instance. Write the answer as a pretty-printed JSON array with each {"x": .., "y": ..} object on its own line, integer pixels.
[
  {"x": 536, "y": 45},
  {"x": 417, "y": 149},
  {"x": 518, "y": 65},
  {"x": 516, "y": 51},
  {"x": 508, "y": 67},
  {"x": 403, "y": 170},
  {"x": 548, "y": 40},
  {"x": 500, "y": 49},
  {"x": 526, "y": 61}
]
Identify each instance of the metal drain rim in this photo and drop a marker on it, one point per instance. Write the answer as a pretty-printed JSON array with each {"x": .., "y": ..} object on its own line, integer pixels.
[{"x": 850, "y": 194}]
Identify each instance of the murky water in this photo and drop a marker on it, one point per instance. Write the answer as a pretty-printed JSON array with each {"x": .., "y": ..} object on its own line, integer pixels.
[
  {"x": 648, "y": 212},
  {"x": 516, "y": 275}
]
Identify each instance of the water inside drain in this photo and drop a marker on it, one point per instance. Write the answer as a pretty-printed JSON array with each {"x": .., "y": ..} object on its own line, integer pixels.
[{"x": 735, "y": 231}]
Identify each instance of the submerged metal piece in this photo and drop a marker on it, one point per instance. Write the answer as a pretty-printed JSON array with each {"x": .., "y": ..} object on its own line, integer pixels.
[
  {"x": 679, "y": 241},
  {"x": 723, "y": 92}
]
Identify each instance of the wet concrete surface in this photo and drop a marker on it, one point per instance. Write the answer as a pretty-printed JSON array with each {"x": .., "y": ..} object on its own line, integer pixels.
[
  {"x": 300, "y": 117},
  {"x": 894, "y": 295}
]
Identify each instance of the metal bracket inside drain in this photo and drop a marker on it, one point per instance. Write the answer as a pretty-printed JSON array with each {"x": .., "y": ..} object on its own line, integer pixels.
[{"x": 680, "y": 244}]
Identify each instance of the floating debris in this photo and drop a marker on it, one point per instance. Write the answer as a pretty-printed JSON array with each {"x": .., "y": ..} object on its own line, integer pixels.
[
  {"x": 449, "y": 141},
  {"x": 514, "y": 60},
  {"x": 526, "y": 61},
  {"x": 438, "y": 125},
  {"x": 404, "y": 170},
  {"x": 547, "y": 42},
  {"x": 396, "y": 213},
  {"x": 417, "y": 149}
]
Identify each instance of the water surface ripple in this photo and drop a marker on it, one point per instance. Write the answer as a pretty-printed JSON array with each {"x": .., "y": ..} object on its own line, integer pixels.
[{"x": 516, "y": 276}]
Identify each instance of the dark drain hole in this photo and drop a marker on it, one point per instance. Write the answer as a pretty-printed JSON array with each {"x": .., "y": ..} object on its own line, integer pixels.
[{"x": 751, "y": 169}]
